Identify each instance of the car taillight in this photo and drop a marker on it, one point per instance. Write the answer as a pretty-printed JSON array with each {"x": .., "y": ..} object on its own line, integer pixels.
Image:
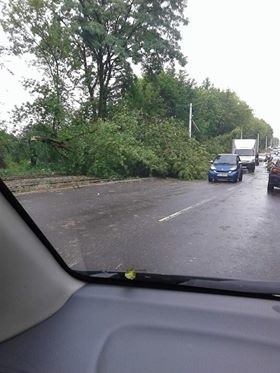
[{"x": 275, "y": 170}]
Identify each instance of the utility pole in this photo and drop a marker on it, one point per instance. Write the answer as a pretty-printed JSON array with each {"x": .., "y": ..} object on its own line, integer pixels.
[
  {"x": 265, "y": 143},
  {"x": 258, "y": 142},
  {"x": 190, "y": 121},
  {"x": 241, "y": 133}
]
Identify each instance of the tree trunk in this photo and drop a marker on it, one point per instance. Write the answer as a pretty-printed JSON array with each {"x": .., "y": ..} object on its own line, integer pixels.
[{"x": 102, "y": 99}]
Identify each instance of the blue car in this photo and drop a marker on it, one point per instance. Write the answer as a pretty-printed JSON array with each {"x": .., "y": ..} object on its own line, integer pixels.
[{"x": 226, "y": 167}]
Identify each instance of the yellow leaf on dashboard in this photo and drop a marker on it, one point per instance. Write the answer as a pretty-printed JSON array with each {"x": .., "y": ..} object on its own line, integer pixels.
[{"x": 130, "y": 274}]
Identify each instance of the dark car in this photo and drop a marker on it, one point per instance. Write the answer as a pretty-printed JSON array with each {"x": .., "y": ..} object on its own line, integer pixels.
[
  {"x": 271, "y": 162},
  {"x": 226, "y": 167},
  {"x": 274, "y": 177}
]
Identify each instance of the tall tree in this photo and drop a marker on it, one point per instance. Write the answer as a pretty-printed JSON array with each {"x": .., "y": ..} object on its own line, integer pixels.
[
  {"x": 34, "y": 29},
  {"x": 217, "y": 112},
  {"x": 166, "y": 94},
  {"x": 93, "y": 44}
]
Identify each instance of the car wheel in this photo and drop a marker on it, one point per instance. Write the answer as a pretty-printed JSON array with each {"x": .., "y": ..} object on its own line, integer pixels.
[
  {"x": 270, "y": 188},
  {"x": 209, "y": 179}
]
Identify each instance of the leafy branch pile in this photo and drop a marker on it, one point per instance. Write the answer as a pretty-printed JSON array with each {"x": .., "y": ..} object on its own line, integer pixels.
[{"x": 91, "y": 114}]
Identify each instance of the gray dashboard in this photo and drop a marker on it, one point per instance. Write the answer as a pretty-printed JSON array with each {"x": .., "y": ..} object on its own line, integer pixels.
[{"x": 106, "y": 329}]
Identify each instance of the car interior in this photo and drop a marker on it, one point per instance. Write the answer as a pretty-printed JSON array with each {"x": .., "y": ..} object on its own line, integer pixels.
[{"x": 53, "y": 319}]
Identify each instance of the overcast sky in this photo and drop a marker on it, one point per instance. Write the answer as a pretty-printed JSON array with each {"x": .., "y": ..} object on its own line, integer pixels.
[
  {"x": 236, "y": 44},
  {"x": 233, "y": 42}
]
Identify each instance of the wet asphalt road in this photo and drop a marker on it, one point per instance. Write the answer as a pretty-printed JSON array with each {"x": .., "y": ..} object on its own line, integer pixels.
[{"x": 166, "y": 226}]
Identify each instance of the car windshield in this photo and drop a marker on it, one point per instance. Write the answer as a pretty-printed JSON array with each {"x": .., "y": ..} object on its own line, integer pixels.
[
  {"x": 225, "y": 159},
  {"x": 244, "y": 152},
  {"x": 111, "y": 113}
]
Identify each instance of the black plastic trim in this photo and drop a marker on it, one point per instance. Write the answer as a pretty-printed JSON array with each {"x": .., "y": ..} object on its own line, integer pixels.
[{"x": 177, "y": 283}]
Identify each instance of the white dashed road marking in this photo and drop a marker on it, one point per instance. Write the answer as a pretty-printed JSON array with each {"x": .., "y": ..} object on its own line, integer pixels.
[{"x": 172, "y": 216}]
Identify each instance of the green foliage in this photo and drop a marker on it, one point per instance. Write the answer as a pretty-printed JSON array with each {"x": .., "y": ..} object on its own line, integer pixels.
[
  {"x": 7, "y": 148},
  {"x": 129, "y": 145},
  {"x": 87, "y": 48},
  {"x": 165, "y": 94},
  {"x": 258, "y": 127},
  {"x": 218, "y": 112},
  {"x": 221, "y": 116},
  {"x": 222, "y": 143},
  {"x": 176, "y": 154},
  {"x": 275, "y": 141},
  {"x": 92, "y": 116}
]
